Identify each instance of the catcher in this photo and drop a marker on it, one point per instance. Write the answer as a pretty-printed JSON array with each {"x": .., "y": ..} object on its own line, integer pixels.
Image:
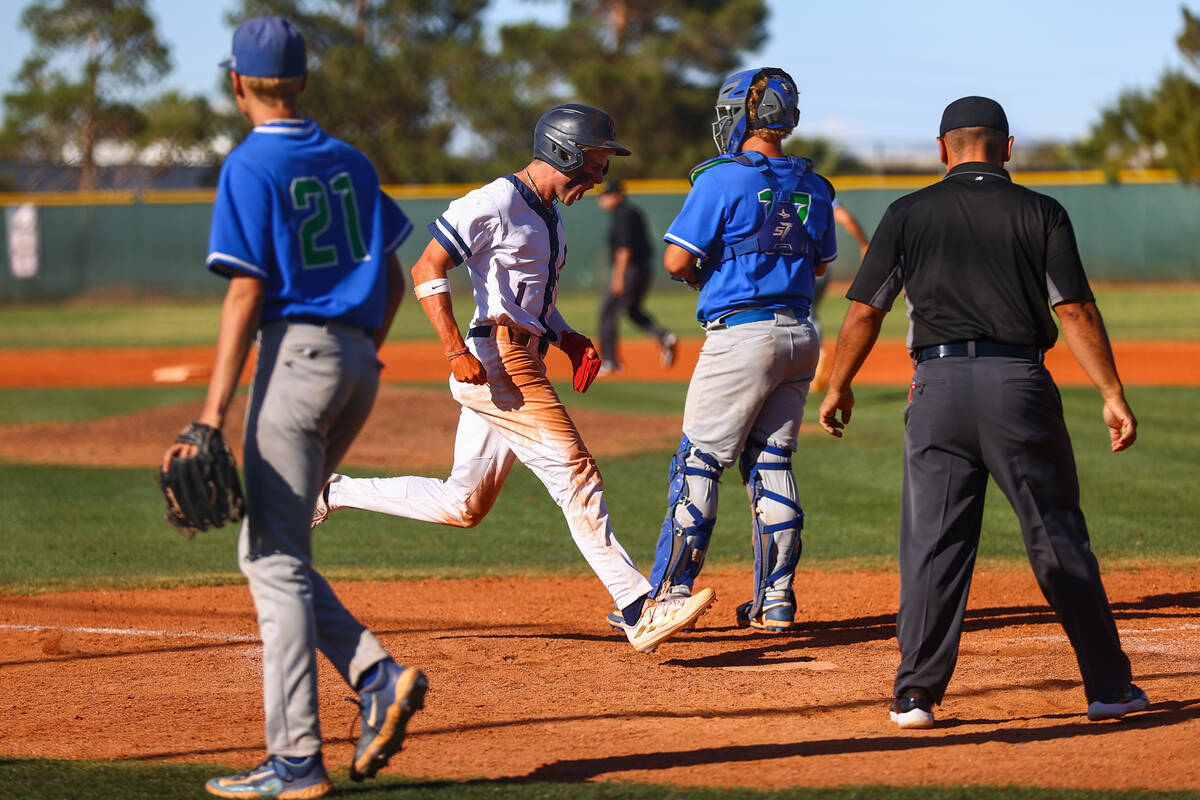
[{"x": 306, "y": 238}]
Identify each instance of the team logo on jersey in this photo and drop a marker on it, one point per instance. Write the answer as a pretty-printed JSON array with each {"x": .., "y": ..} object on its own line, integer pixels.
[{"x": 801, "y": 201}]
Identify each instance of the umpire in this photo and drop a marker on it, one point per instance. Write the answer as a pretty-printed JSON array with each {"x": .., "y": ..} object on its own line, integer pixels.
[{"x": 979, "y": 258}]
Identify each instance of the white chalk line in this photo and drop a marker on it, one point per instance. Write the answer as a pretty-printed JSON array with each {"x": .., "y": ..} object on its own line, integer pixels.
[{"x": 216, "y": 637}]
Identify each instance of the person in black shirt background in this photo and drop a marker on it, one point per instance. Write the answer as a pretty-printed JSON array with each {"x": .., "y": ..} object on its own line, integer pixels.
[
  {"x": 980, "y": 259},
  {"x": 630, "y": 280}
]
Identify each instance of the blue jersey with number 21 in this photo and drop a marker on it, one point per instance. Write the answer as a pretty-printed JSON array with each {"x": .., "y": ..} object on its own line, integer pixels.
[{"x": 303, "y": 211}]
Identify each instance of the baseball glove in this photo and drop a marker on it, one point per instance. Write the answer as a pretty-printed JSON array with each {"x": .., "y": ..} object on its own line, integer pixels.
[{"x": 202, "y": 491}]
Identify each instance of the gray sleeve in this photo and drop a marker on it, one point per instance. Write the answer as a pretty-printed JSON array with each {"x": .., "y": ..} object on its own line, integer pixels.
[{"x": 881, "y": 276}]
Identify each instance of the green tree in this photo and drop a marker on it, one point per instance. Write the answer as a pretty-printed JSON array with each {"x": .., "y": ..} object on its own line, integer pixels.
[
  {"x": 654, "y": 65},
  {"x": 56, "y": 116},
  {"x": 379, "y": 72},
  {"x": 179, "y": 129},
  {"x": 1157, "y": 128},
  {"x": 828, "y": 159}
]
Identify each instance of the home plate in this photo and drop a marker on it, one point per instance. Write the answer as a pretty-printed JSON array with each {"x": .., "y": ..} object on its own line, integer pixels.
[
  {"x": 181, "y": 372},
  {"x": 779, "y": 666}
]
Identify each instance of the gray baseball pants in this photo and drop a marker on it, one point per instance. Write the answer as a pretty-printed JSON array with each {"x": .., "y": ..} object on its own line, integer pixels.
[
  {"x": 313, "y": 389},
  {"x": 968, "y": 418}
]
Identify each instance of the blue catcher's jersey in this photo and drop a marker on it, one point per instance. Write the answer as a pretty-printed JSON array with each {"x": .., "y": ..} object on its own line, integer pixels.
[
  {"x": 724, "y": 223},
  {"x": 303, "y": 211}
]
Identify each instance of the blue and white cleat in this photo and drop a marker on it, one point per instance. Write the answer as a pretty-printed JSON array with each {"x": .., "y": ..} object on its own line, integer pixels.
[
  {"x": 778, "y": 613},
  {"x": 285, "y": 778},
  {"x": 387, "y": 704}
]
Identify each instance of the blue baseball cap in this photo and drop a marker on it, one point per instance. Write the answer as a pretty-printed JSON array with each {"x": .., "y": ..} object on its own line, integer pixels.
[{"x": 267, "y": 47}]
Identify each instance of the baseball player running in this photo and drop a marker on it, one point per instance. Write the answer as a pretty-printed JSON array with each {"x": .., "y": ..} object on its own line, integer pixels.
[
  {"x": 754, "y": 231},
  {"x": 306, "y": 238},
  {"x": 510, "y": 236}
]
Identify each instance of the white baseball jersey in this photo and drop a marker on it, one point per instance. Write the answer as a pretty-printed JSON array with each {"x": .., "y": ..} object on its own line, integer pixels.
[{"x": 513, "y": 246}]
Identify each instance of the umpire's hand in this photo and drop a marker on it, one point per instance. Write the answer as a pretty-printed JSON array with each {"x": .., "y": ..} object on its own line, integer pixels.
[
  {"x": 836, "y": 400},
  {"x": 1122, "y": 425}
]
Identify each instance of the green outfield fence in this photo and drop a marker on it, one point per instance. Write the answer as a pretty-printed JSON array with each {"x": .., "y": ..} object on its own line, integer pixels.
[{"x": 151, "y": 244}]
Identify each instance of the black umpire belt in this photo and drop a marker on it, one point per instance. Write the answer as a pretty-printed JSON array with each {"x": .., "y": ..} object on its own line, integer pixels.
[
  {"x": 515, "y": 335},
  {"x": 978, "y": 349}
]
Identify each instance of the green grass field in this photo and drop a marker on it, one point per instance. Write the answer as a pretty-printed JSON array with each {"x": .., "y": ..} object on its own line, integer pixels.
[
  {"x": 63, "y": 529},
  {"x": 44, "y": 779},
  {"x": 1154, "y": 311},
  {"x": 77, "y": 527}
]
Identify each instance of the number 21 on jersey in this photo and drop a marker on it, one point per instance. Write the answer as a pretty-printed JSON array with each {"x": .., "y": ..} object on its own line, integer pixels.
[{"x": 311, "y": 194}]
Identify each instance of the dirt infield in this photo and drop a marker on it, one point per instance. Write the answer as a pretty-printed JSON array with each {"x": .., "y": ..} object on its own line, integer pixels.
[
  {"x": 1168, "y": 363},
  {"x": 527, "y": 682}
]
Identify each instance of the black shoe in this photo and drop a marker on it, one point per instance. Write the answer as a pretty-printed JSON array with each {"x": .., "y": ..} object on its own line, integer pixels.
[
  {"x": 913, "y": 709},
  {"x": 1115, "y": 705}
]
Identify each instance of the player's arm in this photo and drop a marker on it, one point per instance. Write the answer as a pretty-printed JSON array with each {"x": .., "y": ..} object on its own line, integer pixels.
[
  {"x": 847, "y": 221},
  {"x": 1083, "y": 329},
  {"x": 395, "y": 295},
  {"x": 239, "y": 321},
  {"x": 432, "y": 288},
  {"x": 681, "y": 264},
  {"x": 621, "y": 258},
  {"x": 859, "y": 331}
]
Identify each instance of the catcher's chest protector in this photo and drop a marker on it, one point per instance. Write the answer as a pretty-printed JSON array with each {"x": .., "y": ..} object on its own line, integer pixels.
[{"x": 782, "y": 231}]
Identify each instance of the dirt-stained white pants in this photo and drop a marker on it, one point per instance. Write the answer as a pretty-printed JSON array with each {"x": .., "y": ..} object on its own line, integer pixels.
[{"x": 516, "y": 415}]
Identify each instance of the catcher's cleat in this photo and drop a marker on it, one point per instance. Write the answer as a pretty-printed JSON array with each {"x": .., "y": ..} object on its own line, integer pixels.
[
  {"x": 663, "y": 618},
  {"x": 387, "y": 704},
  {"x": 777, "y": 614},
  {"x": 321, "y": 510},
  {"x": 1117, "y": 704},
  {"x": 285, "y": 778},
  {"x": 912, "y": 709},
  {"x": 670, "y": 346}
]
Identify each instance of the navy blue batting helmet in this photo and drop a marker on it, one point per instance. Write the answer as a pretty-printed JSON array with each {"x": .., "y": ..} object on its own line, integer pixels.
[
  {"x": 778, "y": 109},
  {"x": 564, "y": 132}
]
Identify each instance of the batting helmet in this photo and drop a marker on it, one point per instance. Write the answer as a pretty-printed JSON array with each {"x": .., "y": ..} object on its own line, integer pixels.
[
  {"x": 777, "y": 109},
  {"x": 564, "y": 132}
]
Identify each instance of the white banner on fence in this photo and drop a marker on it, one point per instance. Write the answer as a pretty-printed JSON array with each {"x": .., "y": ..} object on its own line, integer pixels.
[{"x": 23, "y": 255}]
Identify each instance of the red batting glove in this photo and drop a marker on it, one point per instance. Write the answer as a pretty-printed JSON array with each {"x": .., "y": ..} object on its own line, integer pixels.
[{"x": 584, "y": 359}]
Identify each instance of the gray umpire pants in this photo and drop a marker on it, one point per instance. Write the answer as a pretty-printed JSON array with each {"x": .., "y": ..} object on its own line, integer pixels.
[
  {"x": 968, "y": 418},
  {"x": 313, "y": 389}
]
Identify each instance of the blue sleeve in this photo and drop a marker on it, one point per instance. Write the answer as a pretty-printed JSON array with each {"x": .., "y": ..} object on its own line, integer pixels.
[
  {"x": 240, "y": 238},
  {"x": 396, "y": 223},
  {"x": 829, "y": 242},
  {"x": 701, "y": 221}
]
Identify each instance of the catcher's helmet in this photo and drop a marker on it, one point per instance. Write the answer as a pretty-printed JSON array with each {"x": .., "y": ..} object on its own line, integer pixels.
[
  {"x": 777, "y": 109},
  {"x": 564, "y": 132}
]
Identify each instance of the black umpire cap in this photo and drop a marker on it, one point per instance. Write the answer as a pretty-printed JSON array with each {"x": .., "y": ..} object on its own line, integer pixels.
[
  {"x": 973, "y": 112},
  {"x": 613, "y": 187}
]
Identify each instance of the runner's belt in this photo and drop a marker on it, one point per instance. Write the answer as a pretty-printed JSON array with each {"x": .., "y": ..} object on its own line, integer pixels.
[{"x": 515, "y": 335}]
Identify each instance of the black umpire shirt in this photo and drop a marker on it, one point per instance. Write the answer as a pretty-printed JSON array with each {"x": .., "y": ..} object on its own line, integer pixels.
[
  {"x": 979, "y": 258},
  {"x": 629, "y": 230}
]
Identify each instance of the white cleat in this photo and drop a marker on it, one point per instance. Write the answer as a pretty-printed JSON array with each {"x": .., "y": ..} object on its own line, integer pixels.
[{"x": 662, "y": 619}]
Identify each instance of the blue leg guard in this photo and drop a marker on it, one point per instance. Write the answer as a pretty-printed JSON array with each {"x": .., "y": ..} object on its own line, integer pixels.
[
  {"x": 691, "y": 514},
  {"x": 778, "y": 521}
]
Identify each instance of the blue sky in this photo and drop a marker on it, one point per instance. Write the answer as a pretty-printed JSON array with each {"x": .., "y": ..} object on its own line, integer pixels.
[{"x": 874, "y": 74}]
